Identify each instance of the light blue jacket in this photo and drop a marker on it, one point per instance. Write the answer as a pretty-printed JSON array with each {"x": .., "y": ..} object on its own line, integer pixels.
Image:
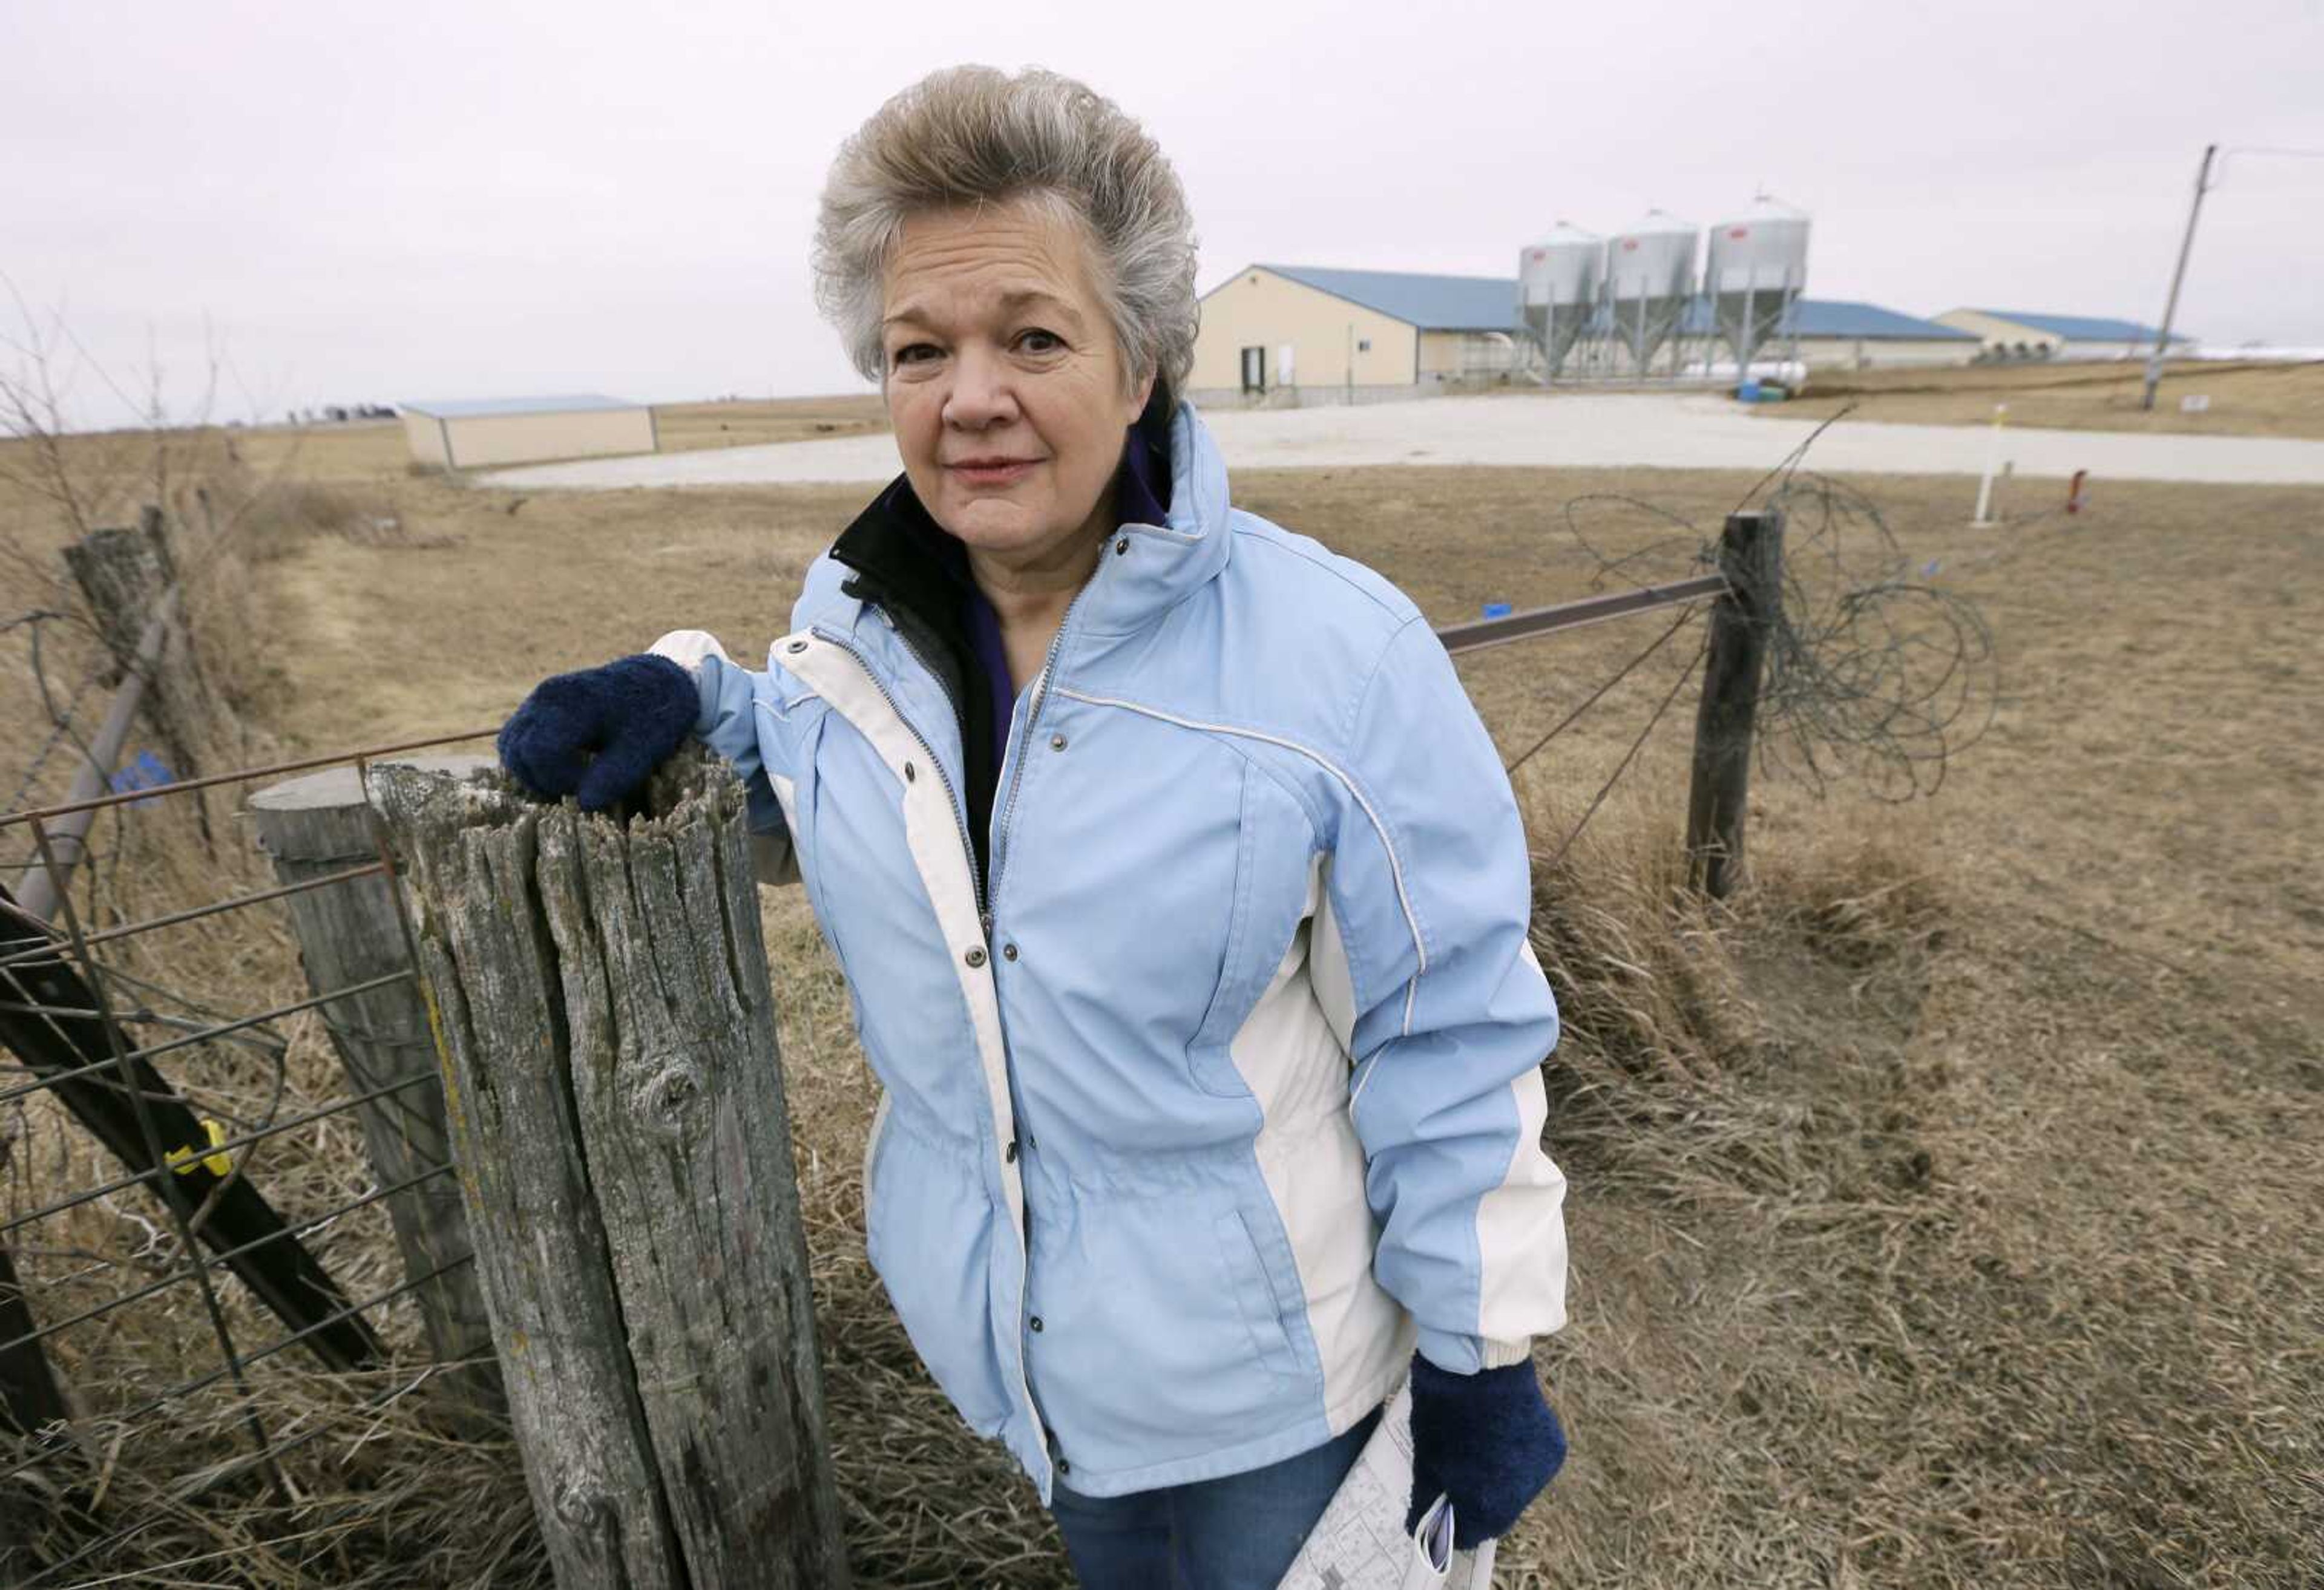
[{"x": 1235, "y": 1093}]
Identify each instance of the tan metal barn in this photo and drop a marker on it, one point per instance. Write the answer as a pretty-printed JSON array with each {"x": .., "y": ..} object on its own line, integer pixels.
[
  {"x": 1291, "y": 335},
  {"x": 1308, "y": 335},
  {"x": 471, "y": 433}
]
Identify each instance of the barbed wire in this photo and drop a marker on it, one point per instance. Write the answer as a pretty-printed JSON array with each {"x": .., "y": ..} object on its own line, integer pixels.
[{"x": 1874, "y": 672}]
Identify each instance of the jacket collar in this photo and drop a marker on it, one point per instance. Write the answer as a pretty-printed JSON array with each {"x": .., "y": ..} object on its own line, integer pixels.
[
  {"x": 1168, "y": 561},
  {"x": 905, "y": 559}
]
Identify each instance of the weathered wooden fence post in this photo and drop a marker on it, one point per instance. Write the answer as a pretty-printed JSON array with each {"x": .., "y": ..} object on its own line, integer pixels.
[
  {"x": 1751, "y": 557},
  {"x": 602, "y": 1005},
  {"x": 351, "y": 933},
  {"x": 124, "y": 573}
]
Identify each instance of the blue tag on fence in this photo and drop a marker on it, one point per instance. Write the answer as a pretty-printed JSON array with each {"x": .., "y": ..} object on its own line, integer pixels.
[
  {"x": 144, "y": 773},
  {"x": 1497, "y": 610}
]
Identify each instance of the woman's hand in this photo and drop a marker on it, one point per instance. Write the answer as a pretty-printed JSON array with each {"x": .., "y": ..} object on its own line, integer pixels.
[
  {"x": 1487, "y": 1442},
  {"x": 600, "y": 732}
]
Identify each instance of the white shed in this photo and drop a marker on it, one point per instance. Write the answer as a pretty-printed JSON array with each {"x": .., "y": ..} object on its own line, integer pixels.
[{"x": 471, "y": 433}]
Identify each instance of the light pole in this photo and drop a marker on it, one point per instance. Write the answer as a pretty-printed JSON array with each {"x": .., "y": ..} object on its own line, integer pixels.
[{"x": 2179, "y": 275}]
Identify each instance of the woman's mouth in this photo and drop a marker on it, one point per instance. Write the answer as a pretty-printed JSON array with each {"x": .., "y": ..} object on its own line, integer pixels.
[{"x": 992, "y": 472}]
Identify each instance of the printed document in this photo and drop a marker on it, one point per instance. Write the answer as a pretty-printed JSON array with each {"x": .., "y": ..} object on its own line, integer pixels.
[{"x": 1360, "y": 1544}]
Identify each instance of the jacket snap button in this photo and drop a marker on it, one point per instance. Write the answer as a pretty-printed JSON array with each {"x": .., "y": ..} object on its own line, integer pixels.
[
  {"x": 1009, "y": 952},
  {"x": 1056, "y": 743},
  {"x": 1121, "y": 546},
  {"x": 1009, "y": 1154},
  {"x": 910, "y": 773},
  {"x": 975, "y": 957},
  {"x": 1034, "y": 1322},
  {"x": 796, "y": 646},
  {"x": 1062, "y": 1467}
]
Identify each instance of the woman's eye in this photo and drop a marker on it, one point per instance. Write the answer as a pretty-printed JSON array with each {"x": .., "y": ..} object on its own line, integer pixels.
[
  {"x": 1038, "y": 341},
  {"x": 913, "y": 353}
]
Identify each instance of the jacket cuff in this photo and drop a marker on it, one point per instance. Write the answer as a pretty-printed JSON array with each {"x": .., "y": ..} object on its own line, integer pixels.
[
  {"x": 691, "y": 649},
  {"x": 1500, "y": 1353},
  {"x": 688, "y": 647},
  {"x": 1470, "y": 1355}
]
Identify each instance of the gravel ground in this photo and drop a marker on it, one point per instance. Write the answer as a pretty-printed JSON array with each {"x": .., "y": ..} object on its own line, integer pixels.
[{"x": 1610, "y": 431}]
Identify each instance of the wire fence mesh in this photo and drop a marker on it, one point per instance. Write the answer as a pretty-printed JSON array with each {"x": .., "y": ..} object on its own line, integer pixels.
[{"x": 191, "y": 1216}]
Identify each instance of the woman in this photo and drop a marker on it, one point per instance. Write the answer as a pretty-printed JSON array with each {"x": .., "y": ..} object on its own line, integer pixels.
[{"x": 1182, "y": 893}]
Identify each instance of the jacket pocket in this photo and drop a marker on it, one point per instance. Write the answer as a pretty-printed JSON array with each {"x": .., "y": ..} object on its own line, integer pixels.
[
  {"x": 1266, "y": 947},
  {"x": 1255, "y": 1295},
  {"x": 929, "y": 1233}
]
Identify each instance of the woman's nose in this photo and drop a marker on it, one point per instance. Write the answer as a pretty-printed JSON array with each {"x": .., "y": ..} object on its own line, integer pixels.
[{"x": 980, "y": 395}]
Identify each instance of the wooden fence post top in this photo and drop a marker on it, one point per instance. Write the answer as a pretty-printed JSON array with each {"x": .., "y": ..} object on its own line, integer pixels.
[{"x": 334, "y": 787}]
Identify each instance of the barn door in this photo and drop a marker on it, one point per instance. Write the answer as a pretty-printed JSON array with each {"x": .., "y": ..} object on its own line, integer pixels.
[{"x": 1254, "y": 370}]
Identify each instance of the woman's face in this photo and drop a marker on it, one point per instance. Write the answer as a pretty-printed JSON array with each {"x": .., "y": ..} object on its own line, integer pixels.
[{"x": 1003, "y": 379}]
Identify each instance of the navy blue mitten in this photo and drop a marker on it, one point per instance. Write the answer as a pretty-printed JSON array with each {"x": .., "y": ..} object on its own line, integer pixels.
[
  {"x": 1487, "y": 1440},
  {"x": 599, "y": 733}
]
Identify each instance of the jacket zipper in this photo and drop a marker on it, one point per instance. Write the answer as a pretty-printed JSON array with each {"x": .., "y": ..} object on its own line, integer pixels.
[{"x": 1025, "y": 741}]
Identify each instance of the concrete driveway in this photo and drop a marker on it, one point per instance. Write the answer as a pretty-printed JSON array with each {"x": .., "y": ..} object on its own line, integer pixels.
[{"x": 1652, "y": 431}]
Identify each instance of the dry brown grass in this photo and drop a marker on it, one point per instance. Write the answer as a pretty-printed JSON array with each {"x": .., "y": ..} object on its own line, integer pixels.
[
  {"x": 747, "y": 422},
  {"x": 2246, "y": 399},
  {"x": 383, "y": 1488},
  {"x": 1939, "y": 1211}
]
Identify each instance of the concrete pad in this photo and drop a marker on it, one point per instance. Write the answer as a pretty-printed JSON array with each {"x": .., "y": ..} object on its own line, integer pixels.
[{"x": 1626, "y": 430}]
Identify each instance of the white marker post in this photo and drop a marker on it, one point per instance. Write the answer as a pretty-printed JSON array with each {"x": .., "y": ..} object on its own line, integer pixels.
[{"x": 1992, "y": 466}]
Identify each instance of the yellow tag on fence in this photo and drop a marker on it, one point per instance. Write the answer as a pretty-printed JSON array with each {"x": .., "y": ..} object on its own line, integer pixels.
[{"x": 182, "y": 1160}]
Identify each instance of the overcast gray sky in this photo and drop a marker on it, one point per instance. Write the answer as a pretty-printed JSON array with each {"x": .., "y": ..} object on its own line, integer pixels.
[{"x": 432, "y": 198}]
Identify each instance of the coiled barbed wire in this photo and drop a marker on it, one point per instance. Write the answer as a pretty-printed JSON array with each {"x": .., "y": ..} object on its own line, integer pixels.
[
  {"x": 1873, "y": 673},
  {"x": 1873, "y": 670}
]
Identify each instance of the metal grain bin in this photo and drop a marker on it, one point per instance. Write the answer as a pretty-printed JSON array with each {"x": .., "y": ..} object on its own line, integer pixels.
[
  {"x": 1649, "y": 281},
  {"x": 1756, "y": 267},
  {"x": 1560, "y": 278}
]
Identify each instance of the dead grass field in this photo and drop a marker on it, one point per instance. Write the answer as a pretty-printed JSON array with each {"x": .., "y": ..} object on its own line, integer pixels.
[
  {"x": 2246, "y": 399},
  {"x": 747, "y": 422},
  {"x": 1942, "y": 1214}
]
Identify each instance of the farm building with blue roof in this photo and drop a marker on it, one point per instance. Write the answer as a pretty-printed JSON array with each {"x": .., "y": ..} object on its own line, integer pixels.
[{"x": 1306, "y": 334}]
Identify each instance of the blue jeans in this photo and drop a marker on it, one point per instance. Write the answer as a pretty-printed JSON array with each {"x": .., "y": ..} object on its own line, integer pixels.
[{"x": 1237, "y": 1532}]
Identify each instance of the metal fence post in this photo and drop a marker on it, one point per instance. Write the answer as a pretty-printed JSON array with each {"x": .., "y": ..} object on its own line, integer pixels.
[
  {"x": 351, "y": 934},
  {"x": 1751, "y": 557}
]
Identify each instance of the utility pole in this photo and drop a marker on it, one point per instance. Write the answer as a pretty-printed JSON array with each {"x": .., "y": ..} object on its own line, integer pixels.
[{"x": 2171, "y": 307}]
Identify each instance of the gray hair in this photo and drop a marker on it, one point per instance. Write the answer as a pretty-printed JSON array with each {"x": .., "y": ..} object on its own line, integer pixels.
[{"x": 969, "y": 135}]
